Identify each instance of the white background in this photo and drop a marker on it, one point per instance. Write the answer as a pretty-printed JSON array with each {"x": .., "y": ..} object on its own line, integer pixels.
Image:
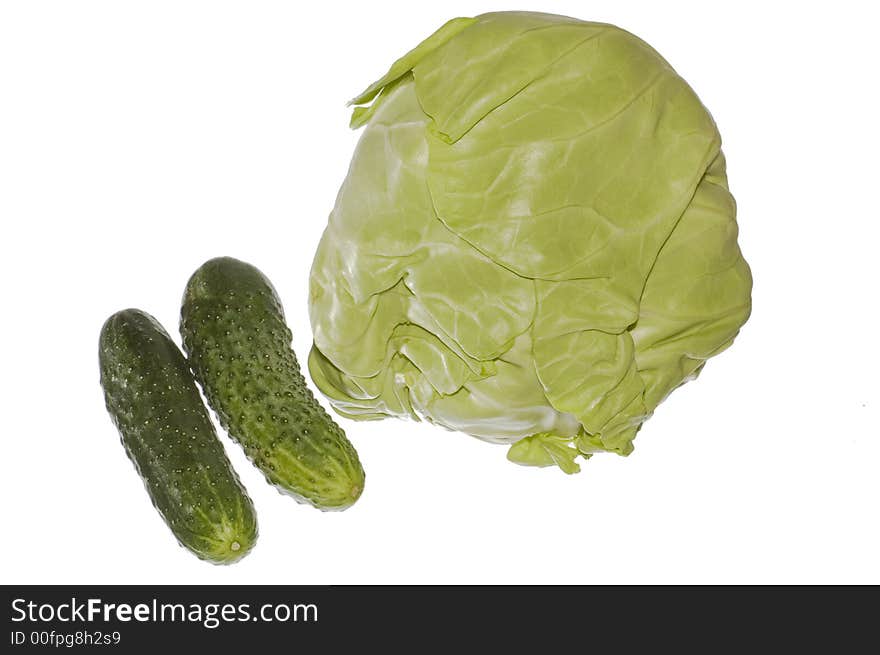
[{"x": 139, "y": 139}]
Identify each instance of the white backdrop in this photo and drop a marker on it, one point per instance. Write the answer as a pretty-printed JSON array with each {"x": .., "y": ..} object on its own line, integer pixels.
[{"x": 139, "y": 139}]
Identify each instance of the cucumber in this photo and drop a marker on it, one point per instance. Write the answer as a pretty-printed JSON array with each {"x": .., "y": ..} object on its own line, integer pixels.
[
  {"x": 168, "y": 435},
  {"x": 238, "y": 345}
]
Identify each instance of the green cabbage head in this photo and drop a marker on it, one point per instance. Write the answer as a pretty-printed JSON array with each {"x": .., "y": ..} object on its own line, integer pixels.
[{"x": 535, "y": 243}]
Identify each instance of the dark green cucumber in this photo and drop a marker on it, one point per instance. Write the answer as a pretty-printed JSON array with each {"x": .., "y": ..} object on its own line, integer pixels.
[
  {"x": 238, "y": 345},
  {"x": 168, "y": 435}
]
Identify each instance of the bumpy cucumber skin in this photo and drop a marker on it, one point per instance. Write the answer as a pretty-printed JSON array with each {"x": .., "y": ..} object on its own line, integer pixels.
[
  {"x": 166, "y": 431},
  {"x": 238, "y": 344}
]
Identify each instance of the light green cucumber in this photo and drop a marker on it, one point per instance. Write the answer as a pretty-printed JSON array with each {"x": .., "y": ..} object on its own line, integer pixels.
[
  {"x": 168, "y": 435},
  {"x": 238, "y": 344}
]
